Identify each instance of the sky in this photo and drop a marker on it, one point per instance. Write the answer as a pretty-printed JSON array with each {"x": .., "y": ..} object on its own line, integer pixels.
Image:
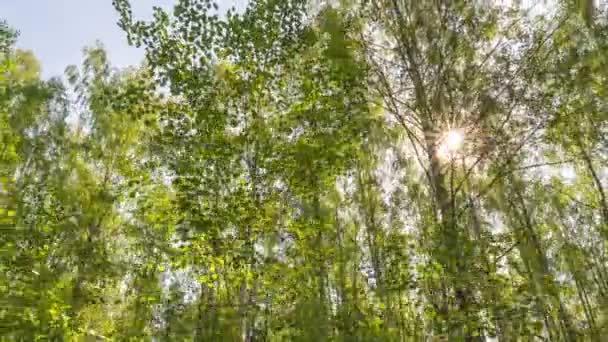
[{"x": 57, "y": 30}]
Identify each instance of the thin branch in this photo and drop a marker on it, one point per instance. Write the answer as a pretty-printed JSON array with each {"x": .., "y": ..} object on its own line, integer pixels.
[
  {"x": 532, "y": 166},
  {"x": 503, "y": 254}
]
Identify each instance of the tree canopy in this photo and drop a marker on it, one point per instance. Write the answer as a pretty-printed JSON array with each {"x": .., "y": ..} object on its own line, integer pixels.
[{"x": 355, "y": 170}]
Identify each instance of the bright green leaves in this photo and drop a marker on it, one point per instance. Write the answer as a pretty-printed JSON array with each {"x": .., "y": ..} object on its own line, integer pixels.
[
  {"x": 272, "y": 175},
  {"x": 275, "y": 109}
]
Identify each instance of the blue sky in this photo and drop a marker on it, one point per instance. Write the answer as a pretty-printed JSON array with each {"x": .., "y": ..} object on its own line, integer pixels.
[{"x": 57, "y": 30}]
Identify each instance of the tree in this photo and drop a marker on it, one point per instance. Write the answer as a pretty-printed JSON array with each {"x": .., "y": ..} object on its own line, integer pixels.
[{"x": 308, "y": 171}]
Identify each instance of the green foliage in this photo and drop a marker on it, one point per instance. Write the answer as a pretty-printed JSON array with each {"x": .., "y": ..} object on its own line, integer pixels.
[{"x": 282, "y": 174}]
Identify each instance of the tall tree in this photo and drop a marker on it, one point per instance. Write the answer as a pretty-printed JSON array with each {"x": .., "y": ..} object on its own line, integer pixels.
[{"x": 383, "y": 170}]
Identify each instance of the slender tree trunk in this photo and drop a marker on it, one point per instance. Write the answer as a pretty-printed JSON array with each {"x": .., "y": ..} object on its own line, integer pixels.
[
  {"x": 598, "y": 185},
  {"x": 539, "y": 259}
]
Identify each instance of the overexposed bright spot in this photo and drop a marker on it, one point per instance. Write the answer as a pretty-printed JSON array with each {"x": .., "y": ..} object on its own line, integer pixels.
[
  {"x": 451, "y": 143},
  {"x": 568, "y": 173},
  {"x": 453, "y": 140}
]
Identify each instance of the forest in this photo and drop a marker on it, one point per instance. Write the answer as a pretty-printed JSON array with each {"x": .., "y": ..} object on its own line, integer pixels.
[{"x": 308, "y": 170}]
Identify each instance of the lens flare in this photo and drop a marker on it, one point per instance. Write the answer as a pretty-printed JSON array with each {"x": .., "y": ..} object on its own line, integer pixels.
[
  {"x": 453, "y": 140},
  {"x": 451, "y": 143}
]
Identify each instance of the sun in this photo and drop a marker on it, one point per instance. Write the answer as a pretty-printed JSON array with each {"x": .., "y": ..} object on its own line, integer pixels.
[
  {"x": 453, "y": 140},
  {"x": 451, "y": 143}
]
